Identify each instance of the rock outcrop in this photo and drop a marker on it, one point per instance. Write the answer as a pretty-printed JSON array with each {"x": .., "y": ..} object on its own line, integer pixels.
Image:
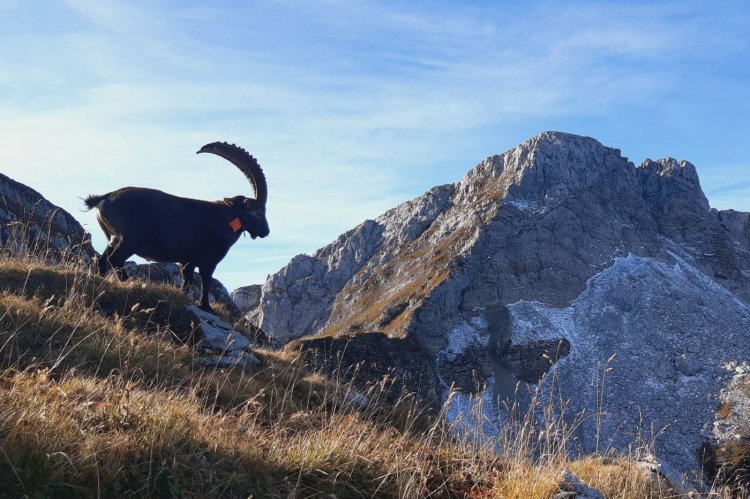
[
  {"x": 29, "y": 224},
  {"x": 558, "y": 251},
  {"x": 246, "y": 298}
]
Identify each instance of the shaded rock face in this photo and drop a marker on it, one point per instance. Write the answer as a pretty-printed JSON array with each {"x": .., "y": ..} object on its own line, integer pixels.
[
  {"x": 31, "y": 224},
  {"x": 369, "y": 359},
  {"x": 555, "y": 255}
]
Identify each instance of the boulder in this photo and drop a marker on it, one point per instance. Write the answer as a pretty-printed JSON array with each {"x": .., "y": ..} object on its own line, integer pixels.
[{"x": 31, "y": 225}]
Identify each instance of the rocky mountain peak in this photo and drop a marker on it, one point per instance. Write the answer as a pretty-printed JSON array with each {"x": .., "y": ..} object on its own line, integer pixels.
[
  {"x": 556, "y": 254},
  {"x": 555, "y": 182},
  {"x": 562, "y": 164},
  {"x": 545, "y": 168}
]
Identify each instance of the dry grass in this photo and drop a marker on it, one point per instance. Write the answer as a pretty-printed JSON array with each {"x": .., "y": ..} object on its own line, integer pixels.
[
  {"x": 97, "y": 399},
  {"x": 619, "y": 477}
]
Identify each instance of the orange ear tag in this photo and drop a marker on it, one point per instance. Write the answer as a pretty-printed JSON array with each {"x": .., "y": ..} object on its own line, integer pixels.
[{"x": 236, "y": 224}]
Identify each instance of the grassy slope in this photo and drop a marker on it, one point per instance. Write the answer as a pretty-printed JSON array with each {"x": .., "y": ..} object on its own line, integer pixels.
[{"x": 97, "y": 398}]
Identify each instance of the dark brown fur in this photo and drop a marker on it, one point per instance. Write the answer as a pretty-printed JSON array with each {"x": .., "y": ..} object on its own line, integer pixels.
[{"x": 164, "y": 228}]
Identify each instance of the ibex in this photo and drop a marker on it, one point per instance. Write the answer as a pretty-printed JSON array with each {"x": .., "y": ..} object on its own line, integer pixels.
[{"x": 164, "y": 228}]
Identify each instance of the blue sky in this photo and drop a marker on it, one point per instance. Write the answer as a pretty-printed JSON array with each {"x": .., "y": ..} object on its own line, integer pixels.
[{"x": 354, "y": 106}]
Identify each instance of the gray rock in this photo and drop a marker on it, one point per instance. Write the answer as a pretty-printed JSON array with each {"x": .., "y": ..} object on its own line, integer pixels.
[
  {"x": 30, "y": 224},
  {"x": 687, "y": 364},
  {"x": 218, "y": 335},
  {"x": 565, "y": 495},
  {"x": 370, "y": 359},
  {"x": 737, "y": 224},
  {"x": 581, "y": 490},
  {"x": 678, "y": 482},
  {"x": 246, "y": 297}
]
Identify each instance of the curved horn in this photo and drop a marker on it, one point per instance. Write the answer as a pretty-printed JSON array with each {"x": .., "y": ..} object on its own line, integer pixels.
[{"x": 247, "y": 164}]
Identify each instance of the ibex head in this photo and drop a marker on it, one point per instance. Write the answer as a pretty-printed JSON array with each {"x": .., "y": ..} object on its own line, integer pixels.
[{"x": 251, "y": 213}]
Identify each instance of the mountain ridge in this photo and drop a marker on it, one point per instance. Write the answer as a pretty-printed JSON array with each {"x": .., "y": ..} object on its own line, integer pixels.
[
  {"x": 527, "y": 178},
  {"x": 452, "y": 269}
]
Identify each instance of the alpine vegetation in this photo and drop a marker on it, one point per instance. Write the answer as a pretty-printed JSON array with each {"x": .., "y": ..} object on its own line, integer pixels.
[{"x": 165, "y": 228}]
